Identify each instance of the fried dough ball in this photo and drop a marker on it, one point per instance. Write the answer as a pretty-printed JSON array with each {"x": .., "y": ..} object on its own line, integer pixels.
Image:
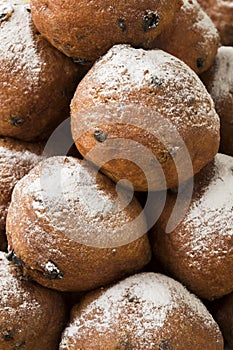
[
  {"x": 86, "y": 30},
  {"x": 37, "y": 81},
  {"x": 72, "y": 230},
  {"x": 31, "y": 317},
  {"x": 16, "y": 159},
  {"x": 192, "y": 37},
  {"x": 137, "y": 115},
  {"x": 198, "y": 252},
  {"x": 145, "y": 311},
  {"x": 219, "y": 82},
  {"x": 221, "y": 13}
]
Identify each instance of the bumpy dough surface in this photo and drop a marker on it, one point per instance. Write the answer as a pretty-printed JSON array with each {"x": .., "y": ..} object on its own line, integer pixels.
[
  {"x": 145, "y": 311},
  {"x": 191, "y": 36},
  {"x": 85, "y": 30},
  {"x": 73, "y": 231},
  {"x": 37, "y": 81},
  {"x": 134, "y": 106},
  {"x": 198, "y": 252},
  {"x": 31, "y": 317},
  {"x": 219, "y": 82},
  {"x": 16, "y": 159},
  {"x": 221, "y": 13}
]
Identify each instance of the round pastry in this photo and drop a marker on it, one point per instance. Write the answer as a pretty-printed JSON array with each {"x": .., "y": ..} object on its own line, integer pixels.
[
  {"x": 222, "y": 310},
  {"x": 221, "y": 13},
  {"x": 136, "y": 115},
  {"x": 72, "y": 229},
  {"x": 31, "y": 317},
  {"x": 198, "y": 252},
  {"x": 219, "y": 82},
  {"x": 145, "y": 311},
  {"x": 85, "y": 30},
  {"x": 192, "y": 37},
  {"x": 37, "y": 81},
  {"x": 16, "y": 159}
]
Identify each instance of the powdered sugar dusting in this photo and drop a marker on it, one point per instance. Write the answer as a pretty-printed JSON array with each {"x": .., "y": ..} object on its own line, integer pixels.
[
  {"x": 14, "y": 296},
  {"x": 65, "y": 193},
  {"x": 12, "y": 158},
  {"x": 219, "y": 193},
  {"x": 168, "y": 82},
  {"x": 14, "y": 164},
  {"x": 203, "y": 23},
  {"x": 137, "y": 307},
  {"x": 66, "y": 189},
  {"x": 222, "y": 85},
  {"x": 210, "y": 220},
  {"x": 18, "y": 45}
]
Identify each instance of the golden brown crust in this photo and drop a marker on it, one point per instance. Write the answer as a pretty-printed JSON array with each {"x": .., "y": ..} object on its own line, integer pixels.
[
  {"x": 192, "y": 37},
  {"x": 146, "y": 97},
  {"x": 219, "y": 82},
  {"x": 16, "y": 159},
  {"x": 31, "y": 317},
  {"x": 73, "y": 237},
  {"x": 198, "y": 252},
  {"x": 37, "y": 81},
  {"x": 221, "y": 13},
  {"x": 145, "y": 311},
  {"x": 86, "y": 30}
]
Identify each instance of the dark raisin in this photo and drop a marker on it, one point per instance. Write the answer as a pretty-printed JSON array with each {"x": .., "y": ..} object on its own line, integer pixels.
[
  {"x": 20, "y": 266},
  {"x": 5, "y": 12},
  {"x": 14, "y": 259},
  {"x": 10, "y": 255},
  {"x": 157, "y": 81},
  {"x": 200, "y": 62},
  {"x": 52, "y": 272},
  {"x": 100, "y": 136},
  {"x": 82, "y": 61},
  {"x": 133, "y": 299},
  {"x": 121, "y": 23},
  {"x": 17, "y": 121},
  {"x": 150, "y": 20},
  {"x": 165, "y": 345},
  {"x": 7, "y": 335}
]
